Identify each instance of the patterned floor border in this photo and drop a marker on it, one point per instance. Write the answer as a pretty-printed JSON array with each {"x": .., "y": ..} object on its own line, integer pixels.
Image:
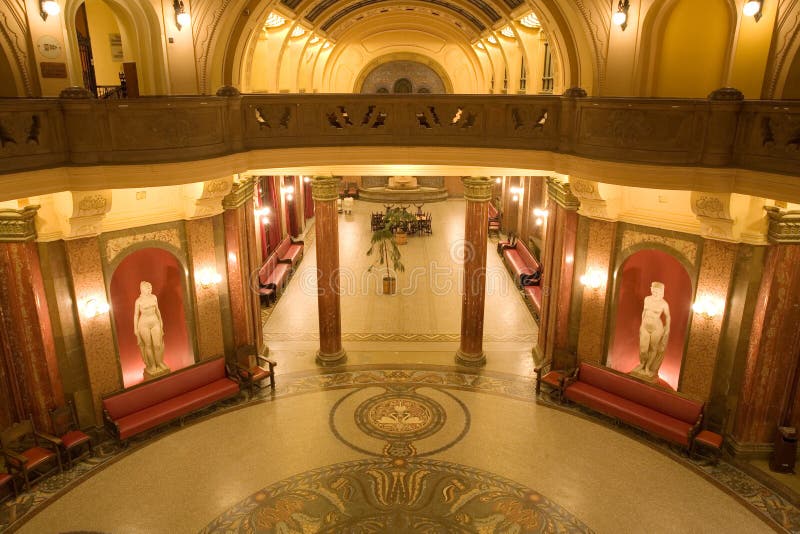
[
  {"x": 397, "y": 337},
  {"x": 775, "y": 510}
]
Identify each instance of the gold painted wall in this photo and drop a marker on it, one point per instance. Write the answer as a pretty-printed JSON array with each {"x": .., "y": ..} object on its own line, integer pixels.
[{"x": 102, "y": 23}]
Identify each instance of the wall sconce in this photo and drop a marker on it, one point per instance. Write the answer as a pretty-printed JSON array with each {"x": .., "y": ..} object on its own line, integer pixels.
[
  {"x": 708, "y": 306},
  {"x": 540, "y": 215},
  {"x": 516, "y": 192},
  {"x": 263, "y": 214},
  {"x": 306, "y": 179},
  {"x": 288, "y": 191},
  {"x": 498, "y": 180},
  {"x": 182, "y": 18},
  {"x": 207, "y": 277},
  {"x": 48, "y": 7},
  {"x": 753, "y": 9},
  {"x": 593, "y": 279},
  {"x": 93, "y": 307},
  {"x": 620, "y": 17}
]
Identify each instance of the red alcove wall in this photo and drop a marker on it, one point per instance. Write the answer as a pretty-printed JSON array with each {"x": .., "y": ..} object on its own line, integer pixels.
[
  {"x": 165, "y": 273},
  {"x": 634, "y": 279}
]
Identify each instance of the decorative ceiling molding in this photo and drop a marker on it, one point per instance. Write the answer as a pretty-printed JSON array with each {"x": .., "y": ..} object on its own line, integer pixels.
[
  {"x": 713, "y": 211},
  {"x": 15, "y": 35},
  {"x": 784, "y": 226},
  {"x": 785, "y": 44}
]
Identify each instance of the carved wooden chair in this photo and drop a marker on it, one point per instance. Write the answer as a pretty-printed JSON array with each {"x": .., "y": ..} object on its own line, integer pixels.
[
  {"x": 29, "y": 453},
  {"x": 253, "y": 369},
  {"x": 8, "y": 486},
  {"x": 71, "y": 440}
]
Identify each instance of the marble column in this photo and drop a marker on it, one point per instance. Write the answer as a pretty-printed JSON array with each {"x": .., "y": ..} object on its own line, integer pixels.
[
  {"x": 324, "y": 190},
  {"x": 242, "y": 265},
  {"x": 477, "y": 193},
  {"x": 767, "y": 397},
  {"x": 557, "y": 276},
  {"x": 32, "y": 381},
  {"x": 207, "y": 310}
]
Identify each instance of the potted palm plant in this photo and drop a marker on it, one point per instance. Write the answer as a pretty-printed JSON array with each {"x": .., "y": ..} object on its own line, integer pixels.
[{"x": 384, "y": 242}]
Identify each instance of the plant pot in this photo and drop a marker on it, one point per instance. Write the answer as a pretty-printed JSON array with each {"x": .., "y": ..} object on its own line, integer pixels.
[
  {"x": 401, "y": 238},
  {"x": 389, "y": 285}
]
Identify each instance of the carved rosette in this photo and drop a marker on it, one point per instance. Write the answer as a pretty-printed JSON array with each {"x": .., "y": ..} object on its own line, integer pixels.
[
  {"x": 89, "y": 208},
  {"x": 325, "y": 188},
  {"x": 784, "y": 226},
  {"x": 209, "y": 200},
  {"x": 592, "y": 203},
  {"x": 241, "y": 193},
  {"x": 561, "y": 193},
  {"x": 18, "y": 225},
  {"x": 713, "y": 211},
  {"x": 477, "y": 188}
]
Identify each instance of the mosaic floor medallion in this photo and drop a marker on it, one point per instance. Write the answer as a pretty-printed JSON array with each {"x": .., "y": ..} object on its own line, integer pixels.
[
  {"x": 379, "y": 496},
  {"x": 399, "y": 421}
]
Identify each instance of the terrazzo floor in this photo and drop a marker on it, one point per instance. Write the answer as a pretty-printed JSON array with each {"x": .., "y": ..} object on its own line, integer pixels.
[{"x": 402, "y": 440}]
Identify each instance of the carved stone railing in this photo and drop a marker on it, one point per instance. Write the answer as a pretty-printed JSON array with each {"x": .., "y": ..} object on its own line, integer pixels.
[{"x": 756, "y": 135}]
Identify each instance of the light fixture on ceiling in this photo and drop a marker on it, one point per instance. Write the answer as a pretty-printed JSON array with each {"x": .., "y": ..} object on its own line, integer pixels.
[
  {"x": 753, "y": 9},
  {"x": 620, "y": 17},
  {"x": 326, "y": 45},
  {"x": 313, "y": 40},
  {"x": 298, "y": 31},
  {"x": 508, "y": 31},
  {"x": 48, "y": 7},
  {"x": 182, "y": 18},
  {"x": 492, "y": 39},
  {"x": 530, "y": 21},
  {"x": 274, "y": 20},
  {"x": 480, "y": 45}
]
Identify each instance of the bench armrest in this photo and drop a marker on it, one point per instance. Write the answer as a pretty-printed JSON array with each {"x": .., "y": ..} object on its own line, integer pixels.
[
  {"x": 571, "y": 377},
  {"x": 14, "y": 460},
  {"x": 261, "y": 360},
  {"x": 286, "y": 260},
  {"x": 110, "y": 425},
  {"x": 48, "y": 437}
]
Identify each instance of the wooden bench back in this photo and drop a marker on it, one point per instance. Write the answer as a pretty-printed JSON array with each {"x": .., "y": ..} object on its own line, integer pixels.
[
  {"x": 283, "y": 246},
  {"x": 526, "y": 255},
  {"x": 156, "y": 391},
  {"x": 267, "y": 268},
  {"x": 652, "y": 397}
]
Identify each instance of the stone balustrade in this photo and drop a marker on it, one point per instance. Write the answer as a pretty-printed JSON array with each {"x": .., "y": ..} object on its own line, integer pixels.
[{"x": 753, "y": 135}]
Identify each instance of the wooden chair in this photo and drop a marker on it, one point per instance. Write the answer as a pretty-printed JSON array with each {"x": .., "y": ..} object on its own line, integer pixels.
[
  {"x": 7, "y": 480},
  {"x": 71, "y": 439},
  {"x": 253, "y": 369},
  {"x": 28, "y": 452}
]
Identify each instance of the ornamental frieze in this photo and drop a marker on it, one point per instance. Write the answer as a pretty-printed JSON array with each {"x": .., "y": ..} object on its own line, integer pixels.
[
  {"x": 241, "y": 193},
  {"x": 477, "y": 188},
  {"x": 561, "y": 193},
  {"x": 325, "y": 188},
  {"x": 117, "y": 245},
  {"x": 687, "y": 249},
  {"x": 784, "y": 226},
  {"x": 18, "y": 225}
]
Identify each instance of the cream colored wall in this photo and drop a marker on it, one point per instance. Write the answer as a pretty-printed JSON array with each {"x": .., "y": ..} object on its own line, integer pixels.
[
  {"x": 749, "y": 61},
  {"x": 103, "y": 23}
]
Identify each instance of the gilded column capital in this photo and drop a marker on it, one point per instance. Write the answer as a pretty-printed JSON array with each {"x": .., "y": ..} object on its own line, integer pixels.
[
  {"x": 325, "y": 188},
  {"x": 241, "y": 193},
  {"x": 477, "y": 188},
  {"x": 561, "y": 194},
  {"x": 18, "y": 225},
  {"x": 784, "y": 226}
]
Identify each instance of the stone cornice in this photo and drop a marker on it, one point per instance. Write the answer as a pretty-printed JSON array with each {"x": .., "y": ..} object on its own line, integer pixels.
[
  {"x": 784, "y": 226},
  {"x": 477, "y": 188},
  {"x": 241, "y": 193},
  {"x": 325, "y": 188},
  {"x": 561, "y": 194},
  {"x": 18, "y": 225}
]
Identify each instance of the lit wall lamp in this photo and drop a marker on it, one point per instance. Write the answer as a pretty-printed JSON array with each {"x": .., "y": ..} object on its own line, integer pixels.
[
  {"x": 753, "y": 9},
  {"x": 306, "y": 179},
  {"x": 93, "y": 307},
  {"x": 182, "y": 18},
  {"x": 498, "y": 180},
  {"x": 593, "y": 279},
  {"x": 48, "y": 7},
  {"x": 207, "y": 277},
  {"x": 708, "y": 306},
  {"x": 263, "y": 214},
  {"x": 620, "y": 17},
  {"x": 288, "y": 191},
  {"x": 515, "y": 193},
  {"x": 540, "y": 215}
]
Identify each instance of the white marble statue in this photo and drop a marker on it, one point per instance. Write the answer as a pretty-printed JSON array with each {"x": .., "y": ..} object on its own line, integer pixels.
[
  {"x": 403, "y": 182},
  {"x": 653, "y": 334},
  {"x": 149, "y": 330}
]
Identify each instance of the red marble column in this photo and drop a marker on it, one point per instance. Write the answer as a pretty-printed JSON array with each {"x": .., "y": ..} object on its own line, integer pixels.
[
  {"x": 774, "y": 349},
  {"x": 558, "y": 274},
  {"x": 325, "y": 192},
  {"x": 242, "y": 265},
  {"x": 477, "y": 193},
  {"x": 28, "y": 353}
]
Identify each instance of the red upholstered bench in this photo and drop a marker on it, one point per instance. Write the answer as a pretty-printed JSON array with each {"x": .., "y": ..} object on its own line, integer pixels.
[
  {"x": 526, "y": 272},
  {"x": 665, "y": 414},
  {"x": 710, "y": 441},
  {"x": 494, "y": 220},
  {"x": 289, "y": 251},
  {"x": 272, "y": 277},
  {"x": 165, "y": 399}
]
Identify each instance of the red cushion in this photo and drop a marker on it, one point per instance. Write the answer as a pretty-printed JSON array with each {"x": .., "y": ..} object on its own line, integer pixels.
[
  {"x": 553, "y": 378},
  {"x": 294, "y": 252},
  {"x": 151, "y": 393},
  {"x": 515, "y": 262},
  {"x": 74, "y": 438},
  {"x": 663, "y": 401},
  {"x": 37, "y": 456},
  {"x": 283, "y": 246},
  {"x": 279, "y": 274},
  {"x": 641, "y": 416},
  {"x": 709, "y": 439},
  {"x": 176, "y": 407},
  {"x": 5, "y": 478}
]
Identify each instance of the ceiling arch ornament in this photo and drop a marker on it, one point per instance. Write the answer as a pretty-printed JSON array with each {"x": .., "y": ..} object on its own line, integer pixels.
[
  {"x": 207, "y": 18},
  {"x": 470, "y": 31},
  {"x": 596, "y": 18},
  {"x": 14, "y": 35},
  {"x": 785, "y": 47},
  {"x": 402, "y": 56}
]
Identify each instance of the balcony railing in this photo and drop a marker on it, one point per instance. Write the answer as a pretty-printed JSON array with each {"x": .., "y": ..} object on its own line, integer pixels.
[{"x": 755, "y": 135}]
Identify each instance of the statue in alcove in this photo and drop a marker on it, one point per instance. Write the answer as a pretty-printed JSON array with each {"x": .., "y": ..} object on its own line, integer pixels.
[
  {"x": 149, "y": 329},
  {"x": 653, "y": 334}
]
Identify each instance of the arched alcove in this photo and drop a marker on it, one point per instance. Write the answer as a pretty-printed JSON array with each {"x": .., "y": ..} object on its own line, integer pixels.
[
  {"x": 166, "y": 274},
  {"x": 686, "y": 47},
  {"x": 402, "y": 76},
  {"x": 633, "y": 279}
]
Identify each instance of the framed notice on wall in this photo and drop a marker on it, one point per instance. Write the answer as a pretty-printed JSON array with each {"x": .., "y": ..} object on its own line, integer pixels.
[{"x": 52, "y": 69}]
